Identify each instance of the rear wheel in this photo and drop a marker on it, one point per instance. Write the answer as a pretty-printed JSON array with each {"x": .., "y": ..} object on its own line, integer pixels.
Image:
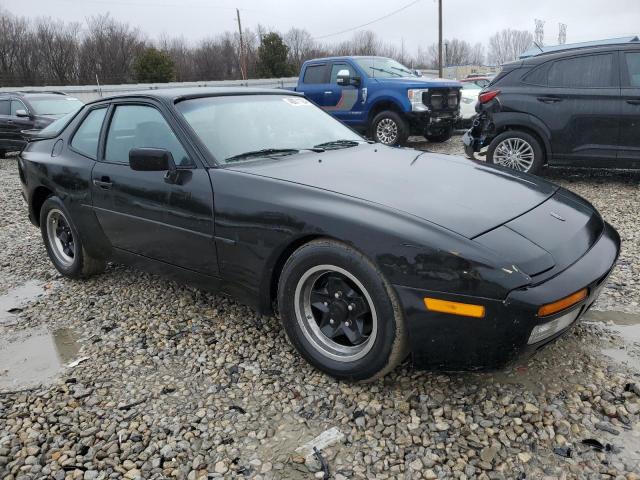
[
  {"x": 340, "y": 313},
  {"x": 389, "y": 128},
  {"x": 63, "y": 243},
  {"x": 517, "y": 150}
]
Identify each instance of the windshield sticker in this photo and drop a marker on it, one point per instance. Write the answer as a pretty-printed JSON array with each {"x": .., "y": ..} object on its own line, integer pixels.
[{"x": 296, "y": 101}]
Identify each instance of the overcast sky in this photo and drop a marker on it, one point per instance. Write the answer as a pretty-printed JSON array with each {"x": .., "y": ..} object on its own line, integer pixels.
[{"x": 471, "y": 20}]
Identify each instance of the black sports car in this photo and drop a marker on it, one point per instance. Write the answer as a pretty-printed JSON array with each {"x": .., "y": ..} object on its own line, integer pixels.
[{"x": 369, "y": 252}]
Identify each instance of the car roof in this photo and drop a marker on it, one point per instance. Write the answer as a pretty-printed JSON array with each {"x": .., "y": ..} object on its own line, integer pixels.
[
  {"x": 537, "y": 51},
  {"x": 343, "y": 57},
  {"x": 173, "y": 95},
  {"x": 34, "y": 96}
]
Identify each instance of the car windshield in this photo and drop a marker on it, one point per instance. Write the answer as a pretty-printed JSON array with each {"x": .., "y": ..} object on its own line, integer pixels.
[
  {"x": 55, "y": 106},
  {"x": 380, "y": 67},
  {"x": 245, "y": 127}
]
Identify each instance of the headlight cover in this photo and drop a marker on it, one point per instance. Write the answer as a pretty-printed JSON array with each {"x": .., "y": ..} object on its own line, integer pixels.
[
  {"x": 468, "y": 100},
  {"x": 415, "y": 97}
]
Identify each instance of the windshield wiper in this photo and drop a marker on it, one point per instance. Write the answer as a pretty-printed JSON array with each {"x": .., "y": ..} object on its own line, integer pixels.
[
  {"x": 405, "y": 71},
  {"x": 385, "y": 71},
  {"x": 334, "y": 144},
  {"x": 268, "y": 152}
]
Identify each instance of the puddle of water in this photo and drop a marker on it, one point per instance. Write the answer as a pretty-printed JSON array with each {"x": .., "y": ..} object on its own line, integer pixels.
[
  {"x": 32, "y": 357},
  {"x": 12, "y": 302},
  {"x": 627, "y": 325}
]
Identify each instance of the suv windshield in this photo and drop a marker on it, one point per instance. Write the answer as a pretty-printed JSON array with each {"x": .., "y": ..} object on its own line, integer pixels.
[
  {"x": 380, "y": 67},
  {"x": 55, "y": 106},
  {"x": 246, "y": 127}
]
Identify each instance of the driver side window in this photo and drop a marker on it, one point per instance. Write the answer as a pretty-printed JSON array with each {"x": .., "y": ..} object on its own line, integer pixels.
[
  {"x": 17, "y": 105},
  {"x": 140, "y": 126},
  {"x": 336, "y": 67}
]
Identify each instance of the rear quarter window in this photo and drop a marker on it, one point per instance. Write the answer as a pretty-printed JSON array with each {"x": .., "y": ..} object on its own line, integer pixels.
[
  {"x": 316, "y": 74},
  {"x": 587, "y": 71}
]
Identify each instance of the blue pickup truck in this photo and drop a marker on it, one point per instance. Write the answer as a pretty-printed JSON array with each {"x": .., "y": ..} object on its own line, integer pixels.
[{"x": 382, "y": 98}]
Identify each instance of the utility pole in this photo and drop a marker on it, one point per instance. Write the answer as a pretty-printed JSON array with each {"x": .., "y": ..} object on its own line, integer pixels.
[
  {"x": 243, "y": 66},
  {"x": 562, "y": 34},
  {"x": 440, "y": 38}
]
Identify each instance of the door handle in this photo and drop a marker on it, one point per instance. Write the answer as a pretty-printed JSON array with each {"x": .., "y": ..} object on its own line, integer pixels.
[
  {"x": 634, "y": 101},
  {"x": 549, "y": 99},
  {"x": 104, "y": 183},
  {"x": 328, "y": 92}
]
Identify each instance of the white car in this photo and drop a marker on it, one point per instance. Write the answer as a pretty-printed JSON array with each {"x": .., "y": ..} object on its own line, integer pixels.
[{"x": 468, "y": 100}]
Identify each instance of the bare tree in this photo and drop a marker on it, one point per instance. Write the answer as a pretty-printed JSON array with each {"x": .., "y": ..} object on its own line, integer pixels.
[
  {"x": 507, "y": 45},
  {"x": 477, "y": 54},
  {"x": 300, "y": 44},
  {"x": 58, "y": 51},
  {"x": 109, "y": 50}
]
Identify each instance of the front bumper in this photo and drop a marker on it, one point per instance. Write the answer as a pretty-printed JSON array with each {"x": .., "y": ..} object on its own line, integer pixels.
[
  {"x": 441, "y": 341},
  {"x": 419, "y": 122}
]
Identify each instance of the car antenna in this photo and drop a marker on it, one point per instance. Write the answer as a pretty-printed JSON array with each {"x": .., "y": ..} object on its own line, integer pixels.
[{"x": 538, "y": 45}]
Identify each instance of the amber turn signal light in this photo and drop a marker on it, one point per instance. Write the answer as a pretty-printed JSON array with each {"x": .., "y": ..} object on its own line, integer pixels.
[
  {"x": 454, "y": 308},
  {"x": 563, "y": 303}
]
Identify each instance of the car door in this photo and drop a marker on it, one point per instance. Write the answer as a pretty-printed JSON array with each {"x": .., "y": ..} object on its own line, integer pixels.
[
  {"x": 20, "y": 123},
  {"x": 629, "y": 152},
  {"x": 343, "y": 101},
  {"x": 315, "y": 82},
  {"x": 161, "y": 217},
  {"x": 580, "y": 106},
  {"x": 7, "y": 132}
]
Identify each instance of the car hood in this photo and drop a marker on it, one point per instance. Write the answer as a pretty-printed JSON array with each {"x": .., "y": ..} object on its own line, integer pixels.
[
  {"x": 418, "y": 82},
  {"x": 461, "y": 195}
]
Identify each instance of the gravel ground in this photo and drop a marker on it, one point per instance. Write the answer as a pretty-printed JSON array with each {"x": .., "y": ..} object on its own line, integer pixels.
[{"x": 183, "y": 384}]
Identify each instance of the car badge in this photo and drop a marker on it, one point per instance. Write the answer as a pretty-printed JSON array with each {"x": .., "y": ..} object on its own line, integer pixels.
[{"x": 555, "y": 215}]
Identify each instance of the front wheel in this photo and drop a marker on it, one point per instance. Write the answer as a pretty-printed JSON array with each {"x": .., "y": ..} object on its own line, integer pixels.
[
  {"x": 517, "y": 150},
  {"x": 63, "y": 243},
  {"x": 389, "y": 128},
  {"x": 340, "y": 313}
]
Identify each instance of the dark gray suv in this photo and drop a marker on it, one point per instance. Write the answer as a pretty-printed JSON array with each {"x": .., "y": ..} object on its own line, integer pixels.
[
  {"x": 20, "y": 111},
  {"x": 575, "y": 107}
]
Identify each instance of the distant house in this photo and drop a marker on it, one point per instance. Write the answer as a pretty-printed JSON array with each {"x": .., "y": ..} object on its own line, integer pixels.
[{"x": 533, "y": 51}]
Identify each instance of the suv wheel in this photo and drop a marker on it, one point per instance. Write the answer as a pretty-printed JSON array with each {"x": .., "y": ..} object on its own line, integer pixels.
[
  {"x": 340, "y": 313},
  {"x": 63, "y": 243},
  {"x": 389, "y": 128},
  {"x": 517, "y": 150}
]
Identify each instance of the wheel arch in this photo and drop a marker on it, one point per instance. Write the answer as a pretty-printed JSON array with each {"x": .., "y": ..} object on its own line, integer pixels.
[
  {"x": 38, "y": 197},
  {"x": 530, "y": 125},
  {"x": 380, "y": 106},
  {"x": 271, "y": 275}
]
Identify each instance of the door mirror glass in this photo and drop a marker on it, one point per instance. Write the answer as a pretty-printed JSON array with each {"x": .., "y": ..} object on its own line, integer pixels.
[
  {"x": 151, "y": 160},
  {"x": 22, "y": 113},
  {"x": 343, "y": 78},
  {"x": 417, "y": 73}
]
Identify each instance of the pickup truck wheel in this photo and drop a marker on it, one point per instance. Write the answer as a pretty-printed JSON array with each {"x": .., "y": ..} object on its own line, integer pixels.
[
  {"x": 63, "y": 243},
  {"x": 340, "y": 312},
  {"x": 389, "y": 128},
  {"x": 440, "y": 135},
  {"x": 516, "y": 149}
]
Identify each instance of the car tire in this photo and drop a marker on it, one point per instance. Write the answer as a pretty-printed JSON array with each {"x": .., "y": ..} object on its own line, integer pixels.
[
  {"x": 517, "y": 150},
  {"x": 389, "y": 128},
  {"x": 63, "y": 243},
  {"x": 341, "y": 282},
  {"x": 440, "y": 136}
]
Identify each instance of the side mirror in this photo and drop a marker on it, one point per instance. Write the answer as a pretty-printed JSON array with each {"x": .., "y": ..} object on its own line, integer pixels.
[
  {"x": 22, "y": 113},
  {"x": 344, "y": 78},
  {"x": 417, "y": 73},
  {"x": 151, "y": 160}
]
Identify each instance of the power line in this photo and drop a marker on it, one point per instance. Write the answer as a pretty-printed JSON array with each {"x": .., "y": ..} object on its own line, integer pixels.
[{"x": 390, "y": 14}]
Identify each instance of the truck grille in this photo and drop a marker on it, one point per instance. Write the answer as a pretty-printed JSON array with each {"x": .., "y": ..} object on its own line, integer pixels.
[{"x": 441, "y": 99}]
